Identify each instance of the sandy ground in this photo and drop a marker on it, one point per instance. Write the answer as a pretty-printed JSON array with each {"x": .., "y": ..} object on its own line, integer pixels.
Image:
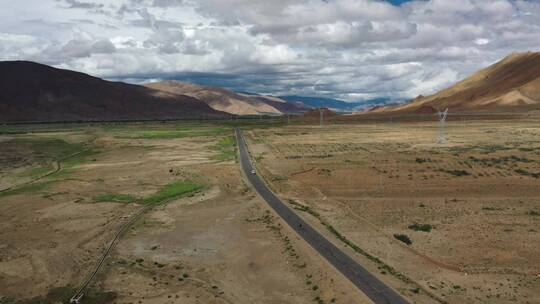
[
  {"x": 221, "y": 245},
  {"x": 477, "y": 190}
]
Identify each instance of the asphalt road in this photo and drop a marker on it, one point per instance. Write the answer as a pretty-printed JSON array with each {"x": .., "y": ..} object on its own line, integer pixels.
[{"x": 376, "y": 290}]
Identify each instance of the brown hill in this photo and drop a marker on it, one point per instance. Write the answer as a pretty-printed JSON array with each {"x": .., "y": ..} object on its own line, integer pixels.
[
  {"x": 228, "y": 101},
  {"x": 35, "y": 92},
  {"x": 512, "y": 84},
  {"x": 281, "y": 105}
]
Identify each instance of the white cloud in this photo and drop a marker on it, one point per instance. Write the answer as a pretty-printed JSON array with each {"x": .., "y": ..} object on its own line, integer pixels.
[
  {"x": 481, "y": 41},
  {"x": 341, "y": 48},
  {"x": 276, "y": 54}
]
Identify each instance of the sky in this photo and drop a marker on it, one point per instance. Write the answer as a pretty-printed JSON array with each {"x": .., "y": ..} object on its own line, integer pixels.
[{"x": 347, "y": 49}]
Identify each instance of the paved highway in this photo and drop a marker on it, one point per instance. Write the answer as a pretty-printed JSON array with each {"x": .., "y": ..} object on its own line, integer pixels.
[{"x": 376, "y": 290}]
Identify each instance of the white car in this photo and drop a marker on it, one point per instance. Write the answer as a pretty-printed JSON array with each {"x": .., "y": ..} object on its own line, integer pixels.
[{"x": 253, "y": 172}]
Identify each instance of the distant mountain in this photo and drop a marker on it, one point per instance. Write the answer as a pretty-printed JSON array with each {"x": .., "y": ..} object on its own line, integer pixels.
[
  {"x": 316, "y": 113},
  {"x": 512, "y": 84},
  {"x": 35, "y": 92},
  {"x": 335, "y": 104},
  {"x": 281, "y": 105},
  {"x": 228, "y": 101}
]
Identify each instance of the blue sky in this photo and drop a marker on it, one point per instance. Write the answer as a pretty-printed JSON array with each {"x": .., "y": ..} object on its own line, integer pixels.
[
  {"x": 346, "y": 49},
  {"x": 398, "y": 2}
]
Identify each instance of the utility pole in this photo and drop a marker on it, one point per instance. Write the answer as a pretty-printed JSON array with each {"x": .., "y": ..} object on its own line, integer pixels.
[
  {"x": 441, "y": 138},
  {"x": 321, "y": 117}
]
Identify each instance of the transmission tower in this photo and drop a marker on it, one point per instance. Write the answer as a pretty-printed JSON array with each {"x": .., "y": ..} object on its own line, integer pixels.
[{"x": 441, "y": 138}]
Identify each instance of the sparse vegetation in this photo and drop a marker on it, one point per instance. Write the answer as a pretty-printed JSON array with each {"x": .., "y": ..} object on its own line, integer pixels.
[
  {"x": 421, "y": 227},
  {"x": 527, "y": 173},
  {"x": 404, "y": 238},
  {"x": 491, "y": 161},
  {"x": 115, "y": 197},
  {"x": 279, "y": 178},
  {"x": 456, "y": 172},
  {"x": 171, "y": 191},
  {"x": 356, "y": 248},
  {"x": 227, "y": 148},
  {"x": 29, "y": 188},
  {"x": 533, "y": 213},
  {"x": 80, "y": 158},
  {"x": 63, "y": 295},
  {"x": 411, "y": 211},
  {"x": 39, "y": 171},
  {"x": 171, "y": 134}
]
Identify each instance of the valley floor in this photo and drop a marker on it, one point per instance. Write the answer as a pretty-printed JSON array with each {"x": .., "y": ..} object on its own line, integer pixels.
[
  {"x": 455, "y": 222},
  {"x": 208, "y": 238},
  {"x": 469, "y": 207}
]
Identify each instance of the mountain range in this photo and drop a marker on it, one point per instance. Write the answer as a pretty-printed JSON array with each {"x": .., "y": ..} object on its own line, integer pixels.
[
  {"x": 335, "y": 104},
  {"x": 32, "y": 92},
  {"x": 512, "y": 84},
  {"x": 228, "y": 101}
]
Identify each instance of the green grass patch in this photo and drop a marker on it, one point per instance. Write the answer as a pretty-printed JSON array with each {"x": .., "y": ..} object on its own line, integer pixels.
[
  {"x": 38, "y": 171},
  {"x": 80, "y": 158},
  {"x": 69, "y": 164},
  {"x": 53, "y": 147},
  {"x": 171, "y": 191},
  {"x": 279, "y": 178},
  {"x": 41, "y": 128},
  {"x": 46, "y": 149},
  {"x": 228, "y": 141},
  {"x": 161, "y": 134},
  {"x": 68, "y": 160},
  {"x": 227, "y": 148},
  {"x": 172, "y": 133},
  {"x": 25, "y": 189},
  {"x": 116, "y": 198}
]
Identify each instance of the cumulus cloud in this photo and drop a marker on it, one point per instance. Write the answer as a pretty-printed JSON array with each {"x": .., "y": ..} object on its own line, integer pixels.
[
  {"x": 81, "y": 4},
  {"x": 347, "y": 49}
]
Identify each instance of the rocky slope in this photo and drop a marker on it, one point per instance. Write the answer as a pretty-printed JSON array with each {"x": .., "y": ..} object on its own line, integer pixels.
[{"x": 32, "y": 92}]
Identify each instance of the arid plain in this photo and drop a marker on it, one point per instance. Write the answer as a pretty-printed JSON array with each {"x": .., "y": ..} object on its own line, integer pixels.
[
  {"x": 468, "y": 207},
  {"x": 206, "y": 239}
]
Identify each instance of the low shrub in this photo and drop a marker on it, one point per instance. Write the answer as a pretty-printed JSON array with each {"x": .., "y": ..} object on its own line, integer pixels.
[
  {"x": 404, "y": 238},
  {"x": 421, "y": 227}
]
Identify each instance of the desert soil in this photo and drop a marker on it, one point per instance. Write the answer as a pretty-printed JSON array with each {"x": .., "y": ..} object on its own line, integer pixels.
[
  {"x": 478, "y": 192},
  {"x": 218, "y": 245}
]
